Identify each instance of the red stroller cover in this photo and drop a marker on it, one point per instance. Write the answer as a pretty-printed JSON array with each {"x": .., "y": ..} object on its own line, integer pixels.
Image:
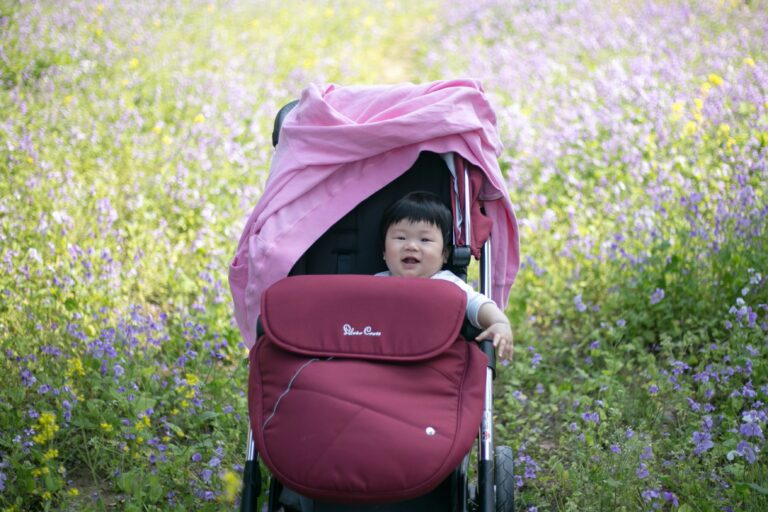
[{"x": 362, "y": 388}]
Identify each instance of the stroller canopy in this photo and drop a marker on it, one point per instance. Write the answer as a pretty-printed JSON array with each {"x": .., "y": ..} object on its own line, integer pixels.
[{"x": 337, "y": 147}]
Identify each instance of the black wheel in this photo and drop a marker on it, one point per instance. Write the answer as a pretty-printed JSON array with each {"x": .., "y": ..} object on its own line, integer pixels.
[{"x": 504, "y": 476}]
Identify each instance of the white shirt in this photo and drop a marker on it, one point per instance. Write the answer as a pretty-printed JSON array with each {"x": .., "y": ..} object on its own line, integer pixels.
[{"x": 475, "y": 300}]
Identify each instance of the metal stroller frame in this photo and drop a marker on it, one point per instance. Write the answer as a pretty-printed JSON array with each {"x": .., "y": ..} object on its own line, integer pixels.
[{"x": 495, "y": 483}]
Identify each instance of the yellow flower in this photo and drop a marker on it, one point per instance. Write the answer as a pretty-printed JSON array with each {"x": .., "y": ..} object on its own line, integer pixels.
[
  {"x": 46, "y": 496},
  {"x": 47, "y": 428},
  {"x": 51, "y": 454},
  {"x": 139, "y": 440},
  {"x": 723, "y": 130},
  {"x": 231, "y": 481},
  {"x": 211, "y": 7},
  {"x": 677, "y": 110},
  {"x": 705, "y": 87},
  {"x": 192, "y": 379},
  {"x": 67, "y": 99},
  {"x": 715, "y": 80},
  {"x": 329, "y": 12},
  {"x": 73, "y": 491},
  {"x": 167, "y": 140},
  {"x": 199, "y": 118},
  {"x": 75, "y": 367},
  {"x": 749, "y": 61},
  {"x": 184, "y": 404},
  {"x": 689, "y": 129},
  {"x": 99, "y": 9},
  {"x": 134, "y": 63},
  {"x": 106, "y": 427}
]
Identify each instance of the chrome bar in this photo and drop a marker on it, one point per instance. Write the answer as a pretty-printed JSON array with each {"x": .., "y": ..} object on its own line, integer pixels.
[
  {"x": 249, "y": 455},
  {"x": 467, "y": 223},
  {"x": 486, "y": 427},
  {"x": 486, "y": 277}
]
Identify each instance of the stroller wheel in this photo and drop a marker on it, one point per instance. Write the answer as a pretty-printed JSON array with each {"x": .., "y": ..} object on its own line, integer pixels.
[{"x": 505, "y": 479}]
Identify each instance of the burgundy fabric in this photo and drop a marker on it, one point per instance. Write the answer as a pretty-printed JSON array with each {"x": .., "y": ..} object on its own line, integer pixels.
[
  {"x": 364, "y": 418},
  {"x": 349, "y": 315}
]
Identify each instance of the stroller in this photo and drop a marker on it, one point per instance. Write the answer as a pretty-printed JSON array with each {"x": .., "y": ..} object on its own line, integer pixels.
[{"x": 364, "y": 394}]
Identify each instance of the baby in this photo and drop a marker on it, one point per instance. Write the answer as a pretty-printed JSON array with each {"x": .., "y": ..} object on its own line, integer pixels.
[{"x": 416, "y": 231}]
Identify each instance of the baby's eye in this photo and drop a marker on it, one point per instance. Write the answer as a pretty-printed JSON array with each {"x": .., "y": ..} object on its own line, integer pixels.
[{"x": 426, "y": 240}]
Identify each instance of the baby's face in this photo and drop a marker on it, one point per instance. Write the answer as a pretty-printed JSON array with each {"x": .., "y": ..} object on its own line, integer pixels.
[{"x": 414, "y": 249}]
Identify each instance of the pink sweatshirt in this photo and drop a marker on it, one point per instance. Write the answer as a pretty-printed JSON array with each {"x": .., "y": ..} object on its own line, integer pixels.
[{"x": 342, "y": 144}]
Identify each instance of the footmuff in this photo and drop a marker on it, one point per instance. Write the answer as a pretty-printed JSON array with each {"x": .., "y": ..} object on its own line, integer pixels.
[{"x": 362, "y": 389}]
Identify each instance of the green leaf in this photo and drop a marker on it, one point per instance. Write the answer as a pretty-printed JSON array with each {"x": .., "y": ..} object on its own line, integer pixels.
[
  {"x": 155, "y": 489},
  {"x": 757, "y": 488}
]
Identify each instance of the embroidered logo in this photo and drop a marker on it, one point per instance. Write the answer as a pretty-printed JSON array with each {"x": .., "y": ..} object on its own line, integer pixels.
[{"x": 367, "y": 331}]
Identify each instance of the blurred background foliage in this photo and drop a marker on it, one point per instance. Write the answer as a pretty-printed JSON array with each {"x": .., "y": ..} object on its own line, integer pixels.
[{"x": 135, "y": 140}]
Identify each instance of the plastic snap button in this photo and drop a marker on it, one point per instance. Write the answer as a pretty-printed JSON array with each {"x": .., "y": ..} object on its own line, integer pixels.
[{"x": 430, "y": 431}]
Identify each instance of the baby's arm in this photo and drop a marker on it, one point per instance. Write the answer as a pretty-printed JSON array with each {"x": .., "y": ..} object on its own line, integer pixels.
[{"x": 497, "y": 328}]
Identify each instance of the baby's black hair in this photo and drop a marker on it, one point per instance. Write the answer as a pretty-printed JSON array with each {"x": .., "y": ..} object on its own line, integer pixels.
[{"x": 420, "y": 207}]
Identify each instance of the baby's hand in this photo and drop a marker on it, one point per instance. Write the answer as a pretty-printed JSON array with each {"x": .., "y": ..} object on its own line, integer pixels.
[{"x": 501, "y": 334}]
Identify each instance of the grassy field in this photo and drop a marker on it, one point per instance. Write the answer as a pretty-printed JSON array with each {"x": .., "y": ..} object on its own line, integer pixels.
[{"x": 135, "y": 140}]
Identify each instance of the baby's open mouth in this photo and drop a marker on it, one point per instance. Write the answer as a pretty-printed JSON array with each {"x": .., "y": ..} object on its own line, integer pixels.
[{"x": 410, "y": 260}]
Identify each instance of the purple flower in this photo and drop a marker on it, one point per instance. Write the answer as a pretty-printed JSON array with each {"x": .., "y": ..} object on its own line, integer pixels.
[
  {"x": 642, "y": 471},
  {"x": 27, "y": 378},
  {"x": 197, "y": 457},
  {"x": 703, "y": 442},
  {"x": 670, "y": 497},
  {"x": 695, "y": 406},
  {"x": 747, "y": 451},
  {"x": 580, "y": 306},
  {"x": 650, "y": 494},
  {"x": 214, "y": 462},
  {"x": 657, "y": 296},
  {"x": 615, "y": 448},
  {"x": 591, "y": 416},
  {"x": 653, "y": 389},
  {"x": 751, "y": 430},
  {"x": 206, "y": 475},
  {"x": 647, "y": 453}
]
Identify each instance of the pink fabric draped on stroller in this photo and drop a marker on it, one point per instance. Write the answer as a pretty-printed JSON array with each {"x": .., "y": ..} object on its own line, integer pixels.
[{"x": 342, "y": 144}]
